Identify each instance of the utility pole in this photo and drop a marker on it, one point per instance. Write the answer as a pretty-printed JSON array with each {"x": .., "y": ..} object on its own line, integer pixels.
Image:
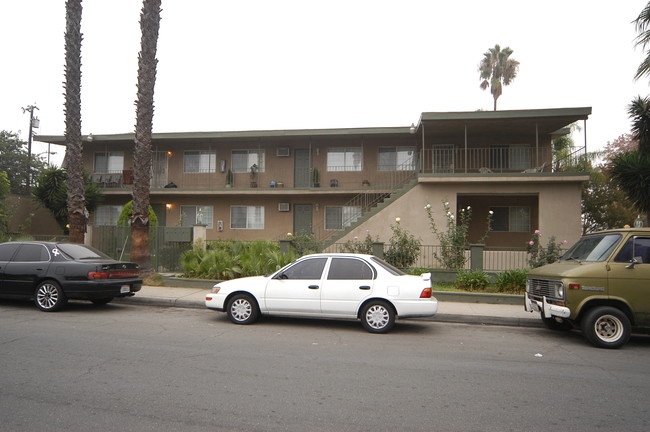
[{"x": 34, "y": 122}]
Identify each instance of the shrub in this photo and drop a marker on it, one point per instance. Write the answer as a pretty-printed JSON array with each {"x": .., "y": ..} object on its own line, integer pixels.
[
  {"x": 472, "y": 280},
  {"x": 539, "y": 255},
  {"x": 359, "y": 246},
  {"x": 404, "y": 248},
  {"x": 511, "y": 281}
]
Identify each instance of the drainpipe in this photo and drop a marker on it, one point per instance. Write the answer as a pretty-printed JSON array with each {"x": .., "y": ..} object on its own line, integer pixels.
[
  {"x": 465, "y": 148},
  {"x": 536, "y": 144}
]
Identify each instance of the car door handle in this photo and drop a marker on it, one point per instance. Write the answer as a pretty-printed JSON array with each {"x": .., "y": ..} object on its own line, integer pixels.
[
  {"x": 364, "y": 287},
  {"x": 313, "y": 287}
]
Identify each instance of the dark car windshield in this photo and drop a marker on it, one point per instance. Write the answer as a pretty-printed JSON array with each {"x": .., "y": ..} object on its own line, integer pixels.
[
  {"x": 80, "y": 252},
  {"x": 592, "y": 248}
]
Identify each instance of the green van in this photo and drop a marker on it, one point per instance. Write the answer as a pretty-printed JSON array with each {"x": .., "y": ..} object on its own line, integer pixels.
[{"x": 601, "y": 285}]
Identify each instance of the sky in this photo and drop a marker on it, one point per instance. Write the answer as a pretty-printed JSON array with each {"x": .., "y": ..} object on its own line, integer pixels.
[{"x": 260, "y": 65}]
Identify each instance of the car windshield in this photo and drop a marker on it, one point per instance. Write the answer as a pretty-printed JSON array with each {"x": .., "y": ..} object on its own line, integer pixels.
[
  {"x": 80, "y": 252},
  {"x": 592, "y": 248},
  {"x": 389, "y": 268}
]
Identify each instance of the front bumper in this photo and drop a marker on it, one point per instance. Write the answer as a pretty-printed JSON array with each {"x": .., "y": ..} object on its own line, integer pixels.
[{"x": 549, "y": 310}]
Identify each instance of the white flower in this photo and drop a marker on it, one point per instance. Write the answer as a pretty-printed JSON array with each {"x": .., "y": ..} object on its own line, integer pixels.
[
  {"x": 446, "y": 203},
  {"x": 469, "y": 208},
  {"x": 451, "y": 216},
  {"x": 397, "y": 219},
  {"x": 491, "y": 212},
  {"x": 428, "y": 206}
]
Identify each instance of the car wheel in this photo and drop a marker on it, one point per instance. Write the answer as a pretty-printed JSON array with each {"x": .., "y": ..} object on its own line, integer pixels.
[
  {"x": 102, "y": 301},
  {"x": 557, "y": 324},
  {"x": 242, "y": 309},
  {"x": 378, "y": 317},
  {"x": 606, "y": 327},
  {"x": 49, "y": 296}
]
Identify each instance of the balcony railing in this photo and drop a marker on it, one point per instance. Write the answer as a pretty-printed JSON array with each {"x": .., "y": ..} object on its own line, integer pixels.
[{"x": 503, "y": 159}]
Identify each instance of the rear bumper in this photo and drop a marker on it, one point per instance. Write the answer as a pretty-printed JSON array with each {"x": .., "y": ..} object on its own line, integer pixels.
[
  {"x": 549, "y": 310},
  {"x": 99, "y": 289},
  {"x": 416, "y": 308}
]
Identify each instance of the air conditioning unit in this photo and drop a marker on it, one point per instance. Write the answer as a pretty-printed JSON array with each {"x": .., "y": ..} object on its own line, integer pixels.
[
  {"x": 282, "y": 152},
  {"x": 283, "y": 207}
]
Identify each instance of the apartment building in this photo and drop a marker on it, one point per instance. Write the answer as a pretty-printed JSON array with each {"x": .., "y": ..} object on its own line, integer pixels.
[{"x": 340, "y": 183}]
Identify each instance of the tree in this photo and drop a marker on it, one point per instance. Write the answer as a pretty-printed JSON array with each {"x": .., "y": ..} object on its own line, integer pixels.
[
  {"x": 51, "y": 191},
  {"x": 4, "y": 191},
  {"x": 623, "y": 143},
  {"x": 73, "y": 161},
  {"x": 13, "y": 160},
  {"x": 147, "y": 62},
  {"x": 642, "y": 23},
  {"x": 631, "y": 170},
  {"x": 496, "y": 70}
]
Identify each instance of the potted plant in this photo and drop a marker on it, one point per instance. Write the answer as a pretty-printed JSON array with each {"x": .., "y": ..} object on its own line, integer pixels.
[
  {"x": 315, "y": 177},
  {"x": 229, "y": 178},
  {"x": 254, "y": 171},
  {"x": 365, "y": 183}
]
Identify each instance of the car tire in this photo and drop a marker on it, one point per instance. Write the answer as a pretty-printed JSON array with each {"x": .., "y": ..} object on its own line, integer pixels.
[
  {"x": 556, "y": 324},
  {"x": 49, "y": 297},
  {"x": 378, "y": 317},
  {"x": 242, "y": 309},
  {"x": 102, "y": 301},
  {"x": 606, "y": 327}
]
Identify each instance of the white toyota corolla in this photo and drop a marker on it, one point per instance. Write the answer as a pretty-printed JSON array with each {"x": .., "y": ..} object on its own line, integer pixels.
[{"x": 345, "y": 286}]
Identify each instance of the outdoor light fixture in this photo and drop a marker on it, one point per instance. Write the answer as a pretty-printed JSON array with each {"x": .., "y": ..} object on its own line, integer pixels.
[
  {"x": 169, "y": 206},
  {"x": 169, "y": 154},
  {"x": 412, "y": 129},
  {"x": 638, "y": 222},
  {"x": 90, "y": 138}
]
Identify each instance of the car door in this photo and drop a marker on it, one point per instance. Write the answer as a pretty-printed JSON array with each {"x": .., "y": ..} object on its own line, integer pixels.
[
  {"x": 632, "y": 282},
  {"x": 7, "y": 250},
  {"x": 296, "y": 290},
  {"x": 29, "y": 264},
  {"x": 349, "y": 281}
]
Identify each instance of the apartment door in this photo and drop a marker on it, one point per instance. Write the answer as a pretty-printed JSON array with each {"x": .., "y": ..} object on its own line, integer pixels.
[
  {"x": 159, "y": 169},
  {"x": 161, "y": 213},
  {"x": 302, "y": 219},
  {"x": 302, "y": 168}
]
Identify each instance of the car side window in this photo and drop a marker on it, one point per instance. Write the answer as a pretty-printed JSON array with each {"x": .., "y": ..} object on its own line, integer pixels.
[
  {"x": 349, "y": 269},
  {"x": 306, "y": 269},
  {"x": 7, "y": 250},
  {"x": 641, "y": 249},
  {"x": 32, "y": 253}
]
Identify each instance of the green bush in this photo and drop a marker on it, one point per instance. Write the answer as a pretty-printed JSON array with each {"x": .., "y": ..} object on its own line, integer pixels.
[
  {"x": 472, "y": 280},
  {"x": 404, "y": 248},
  {"x": 511, "y": 281}
]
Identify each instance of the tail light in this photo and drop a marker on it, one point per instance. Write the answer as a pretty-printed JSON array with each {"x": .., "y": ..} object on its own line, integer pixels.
[
  {"x": 426, "y": 293},
  {"x": 117, "y": 274}
]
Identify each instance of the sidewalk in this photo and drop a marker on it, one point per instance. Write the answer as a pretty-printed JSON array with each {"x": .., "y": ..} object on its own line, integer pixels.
[{"x": 467, "y": 312}]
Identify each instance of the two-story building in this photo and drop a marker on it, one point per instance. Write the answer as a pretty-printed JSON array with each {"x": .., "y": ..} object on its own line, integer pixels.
[{"x": 341, "y": 183}]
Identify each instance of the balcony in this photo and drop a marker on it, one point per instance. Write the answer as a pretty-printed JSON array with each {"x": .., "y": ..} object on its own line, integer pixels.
[{"x": 502, "y": 159}]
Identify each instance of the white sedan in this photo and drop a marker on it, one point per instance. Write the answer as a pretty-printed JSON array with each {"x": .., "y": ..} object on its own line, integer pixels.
[{"x": 345, "y": 286}]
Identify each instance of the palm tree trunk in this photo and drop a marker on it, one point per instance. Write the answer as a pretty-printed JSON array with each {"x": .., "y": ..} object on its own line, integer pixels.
[
  {"x": 149, "y": 26},
  {"x": 73, "y": 161}
]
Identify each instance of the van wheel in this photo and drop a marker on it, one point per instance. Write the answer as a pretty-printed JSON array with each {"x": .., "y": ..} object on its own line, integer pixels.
[{"x": 606, "y": 327}]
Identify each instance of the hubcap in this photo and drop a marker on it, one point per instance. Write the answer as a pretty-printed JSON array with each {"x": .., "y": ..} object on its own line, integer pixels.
[
  {"x": 47, "y": 296},
  {"x": 241, "y": 309},
  {"x": 609, "y": 328},
  {"x": 377, "y": 316}
]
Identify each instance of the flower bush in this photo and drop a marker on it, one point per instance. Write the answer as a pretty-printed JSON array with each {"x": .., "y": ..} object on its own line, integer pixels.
[
  {"x": 359, "y": 246},
  {"x": 454, "y": 239},
  {"x": 404, "y": 248},
  {"x": 539, "y": 255}
]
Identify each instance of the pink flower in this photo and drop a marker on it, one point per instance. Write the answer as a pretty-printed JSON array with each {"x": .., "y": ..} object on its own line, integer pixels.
[
  {"x": 564, "y": 242},
  {"x": 531, "y": 242},
  {"x": 537, "y": 232}
]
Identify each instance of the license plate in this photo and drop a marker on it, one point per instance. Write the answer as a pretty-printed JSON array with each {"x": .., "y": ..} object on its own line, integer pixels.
[{"x": 125, "y": 289}]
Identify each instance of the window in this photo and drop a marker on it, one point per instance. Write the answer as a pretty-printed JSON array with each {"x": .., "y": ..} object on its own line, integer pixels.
[
  {"x": 243, "y": 160},
  {"x": 308, "y": 269},
  {"x": 109, "y": 162},
  {"x": 397, "y": 159},
  {"x": 107, "y": 215},
  {"x": 349, "y": 269},
  {"x": 337, "y": 218},
  {"x": 7, "y": 250},
  {"x": 510, "y": 219},
  {"x": 247, "y": 217},
  {"x": 196, "y": 215},
  {"x": 32, "y": 253},
  {"x": 345, "y": 159},
  {"x": 641, "y": 248},
  {"x": 200, "y": 162}
]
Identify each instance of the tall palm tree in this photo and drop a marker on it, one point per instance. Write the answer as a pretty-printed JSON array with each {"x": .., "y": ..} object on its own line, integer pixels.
[
  {"x": 147, "y": 62},
  {"x": 496, "y": 70},
  {"x": 632, "y": 169},
  {"x": 72, "y": 162},
  {"x": 642, "y": 23}
]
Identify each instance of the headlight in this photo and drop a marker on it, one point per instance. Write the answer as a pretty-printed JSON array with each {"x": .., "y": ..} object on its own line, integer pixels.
[
  {"x": 527, "y": 285},
  {"x": 215, "y": 289},
  {"x": 559, "y": 289}
]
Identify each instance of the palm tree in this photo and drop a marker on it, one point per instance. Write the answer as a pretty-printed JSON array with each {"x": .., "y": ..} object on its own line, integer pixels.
[
  {"x": 496, "y": 70},
  {"x": 149, "y": 27},
  {"x": 632, "y": 169},
  {"x": 642, "y": 23},
  {"x": 72, "y": 162}
]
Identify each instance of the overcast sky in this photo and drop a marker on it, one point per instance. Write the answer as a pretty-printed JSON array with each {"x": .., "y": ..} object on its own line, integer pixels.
[{"x": 251, "y": 65}]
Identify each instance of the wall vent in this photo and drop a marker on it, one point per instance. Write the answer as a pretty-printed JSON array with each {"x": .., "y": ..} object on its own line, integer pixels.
[
  {"x": 283, "y": 207},
  {"x": 282, "y": 151}
]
